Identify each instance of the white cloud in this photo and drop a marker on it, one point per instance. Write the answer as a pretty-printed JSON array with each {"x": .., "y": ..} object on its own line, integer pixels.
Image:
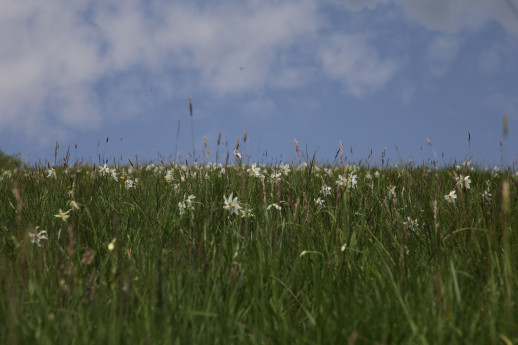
[
  {"x": 449, "y": 16},
  {"x": 441, "y": 53},
  {"x": 356, "y": 63},
  {"x": 54, "y": 54}
]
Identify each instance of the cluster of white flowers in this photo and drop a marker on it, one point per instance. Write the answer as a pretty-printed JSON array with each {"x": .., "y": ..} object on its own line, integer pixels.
[
  {"x": 186, "y": 204},
  {"x": 348, "y": 181}
]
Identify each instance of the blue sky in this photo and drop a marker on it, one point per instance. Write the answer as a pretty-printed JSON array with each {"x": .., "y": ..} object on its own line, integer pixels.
[{"x": 368, "y": 73}]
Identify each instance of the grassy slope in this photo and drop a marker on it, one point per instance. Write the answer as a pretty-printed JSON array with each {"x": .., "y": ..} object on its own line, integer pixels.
[{"x": 207, "y": 277}]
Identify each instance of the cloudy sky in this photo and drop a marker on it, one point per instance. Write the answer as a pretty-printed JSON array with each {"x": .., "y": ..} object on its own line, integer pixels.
[{"x": 368, "y": 73}]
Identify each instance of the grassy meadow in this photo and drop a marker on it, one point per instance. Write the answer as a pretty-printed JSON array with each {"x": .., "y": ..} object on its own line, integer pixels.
[{"x": 255, "y": 254}]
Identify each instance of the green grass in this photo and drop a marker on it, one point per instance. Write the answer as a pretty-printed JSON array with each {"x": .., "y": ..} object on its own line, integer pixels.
[{"x": 351, "y": 272}]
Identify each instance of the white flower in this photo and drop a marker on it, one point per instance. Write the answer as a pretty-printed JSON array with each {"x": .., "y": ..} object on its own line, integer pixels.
[
  {"x": 188, "y": 201},
  {"x": 277, "y": 207},
  {"x": 51, "y": 173},
  {"x": 376, "y": 174},
  {"x": 351, "y": 181},
  {"x": 342, "y": 181},
  {"x": 486, "y": 195},
  {"x": 463, "y": 181},
  {"x": 254, "y": 170},
  {"x": 176, "y": 187},
  {"x": 36, "y": 237},
  {"x": 285, "y": 169},
  {"x": 451, "y": 197},
  {"x": 181, "y": 207},
  {"x": 114, "y": 174},
  {"x": 74, "y": 205},
  {"x": 391, "y": 191},
  {"x": 276, "y": 177},
  {"x": 129, "y": 183},
  {"x": 325, "y": 190},
  {"x": 411, "y": 223},
  {"x": 104, "y": 170},
  {"x": 237, "y": 155},
  {"x": 319, "y": 202},
  {"x": 63, "y": 215},
  {"x": 232, "y": 205},
  {"x": 169, "y": 176}
]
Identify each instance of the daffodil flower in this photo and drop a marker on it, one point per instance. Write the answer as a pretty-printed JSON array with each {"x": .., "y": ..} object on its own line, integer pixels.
[
  {"x": 188, "y": 201},
  {"x": 319, "y": 202},
  {"x": 451, "y": 197},
  {"x": 36, "y": 237},
  {"x": 325, "y": 190},
  {"x": 232, "y": 205},
  {"x": 285, "y": 169},
  {"x": 74, "y": 205},
  {"x": 181, "y": 207},
  {"x": 63, "y": 215},
  {"x": 51, "y": 173},
  {"x": 104, "y": 170},
  {"x": 464, "y": 181}
]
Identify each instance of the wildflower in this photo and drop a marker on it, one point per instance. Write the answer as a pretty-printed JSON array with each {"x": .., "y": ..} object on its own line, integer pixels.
[
  {"x": 351, "y": 181},
  {"x": 63, "y": 215},
  {"x": 176, "y": 187},
  {"x": 254, "y": 170},
  {"x": 486, "y": 195},
  {"x": 285, "y": 169},
  {"x": 129, "y": 183},
  {"x": 74, "y": 205},
  {"x": 391, "y": 191},
  {"x": 463, "y": 181},
  {"x": 169, "y": 176},
  {"x": 277, "y": 207},
  {"x": 237, "y": 155},
  {"x": 188, "y": 201},
  {"x": 51, "y": 173},
  {"x": 411, "y": 223},
  {"x": 325, "y": 190},
  {"x": 232, "y": 205},
  {"x": 114, "y": 174},
  {"x": 36, "y": 237},
  {"x": 181, "y": 207},
  {"x": 451, "y": 197},
  {"x": 342, "y": 181},
  {"x": 104, "y": 170},
  {"x": 344, "y": 246},
  {"x": 276, "y": 177},
  {"x": 376, "y": 174},
  {"x": 319, "y": 202}
]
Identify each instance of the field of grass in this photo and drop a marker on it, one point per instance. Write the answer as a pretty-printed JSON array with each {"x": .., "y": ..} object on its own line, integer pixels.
[{"x": 163, "y": 255}]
